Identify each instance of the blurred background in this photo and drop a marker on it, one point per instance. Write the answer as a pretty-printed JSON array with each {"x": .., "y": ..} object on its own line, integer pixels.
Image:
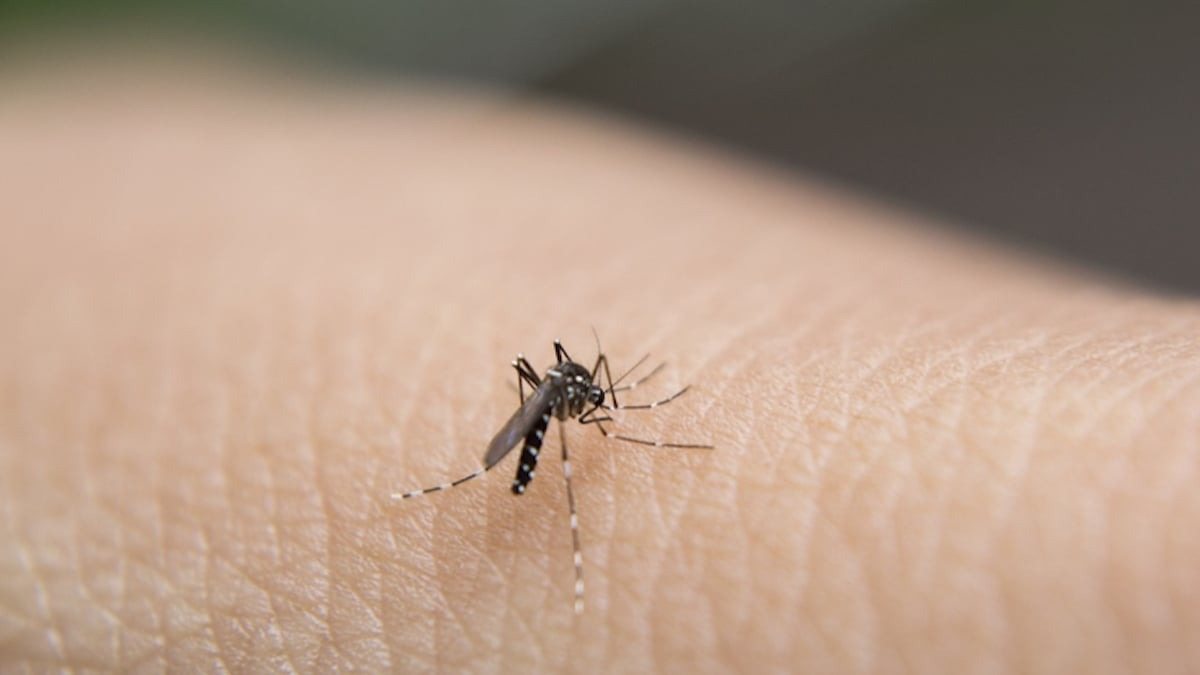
[{"x": 1070, "y": 127}]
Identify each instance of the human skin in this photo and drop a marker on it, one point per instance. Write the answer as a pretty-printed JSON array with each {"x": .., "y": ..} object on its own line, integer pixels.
[{"x": 239, "y": 313}]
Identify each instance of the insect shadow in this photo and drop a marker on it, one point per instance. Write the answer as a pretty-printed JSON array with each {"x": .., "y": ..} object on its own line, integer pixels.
[{"x": 567, "y": 391}]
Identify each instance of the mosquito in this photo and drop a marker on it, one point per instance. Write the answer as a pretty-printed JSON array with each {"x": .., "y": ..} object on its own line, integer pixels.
[{"x": 567, "y": 391}]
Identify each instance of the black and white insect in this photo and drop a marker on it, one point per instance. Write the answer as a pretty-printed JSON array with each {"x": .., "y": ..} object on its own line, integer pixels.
[{"x": 568, "y": 390}]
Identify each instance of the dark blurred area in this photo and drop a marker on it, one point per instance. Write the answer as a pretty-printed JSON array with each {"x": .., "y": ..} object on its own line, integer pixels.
[{"x": 1067, "y": 126}]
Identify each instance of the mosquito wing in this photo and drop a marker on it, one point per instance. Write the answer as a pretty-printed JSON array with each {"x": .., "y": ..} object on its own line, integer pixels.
[{"x": 520, "y": 424}]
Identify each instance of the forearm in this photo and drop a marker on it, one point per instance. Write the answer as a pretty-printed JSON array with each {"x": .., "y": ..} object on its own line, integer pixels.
[{"x": 929, "y": 454}]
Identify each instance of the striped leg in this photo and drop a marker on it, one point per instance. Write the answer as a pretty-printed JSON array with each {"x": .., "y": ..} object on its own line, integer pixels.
[
  {"x": 562, "y": 435},
  {"x": 438, "y": 488},
  {"x": 654, "y": 443},
  {"x": 634, "y": 385},
  {"x": 525, "y": 373},
  {"x": 649, "y": 406},
  {"x": 560, "y": 352},
  {"x": 602, "y": 360}
]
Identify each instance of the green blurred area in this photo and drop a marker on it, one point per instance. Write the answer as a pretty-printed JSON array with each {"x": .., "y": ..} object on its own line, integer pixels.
[
  {"x": 17, "y": 15},
  {"x": 1062, "y": 124}
]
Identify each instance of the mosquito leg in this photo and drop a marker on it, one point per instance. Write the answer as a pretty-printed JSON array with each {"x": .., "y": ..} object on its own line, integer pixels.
[
  {"x": 520, "y": 382},
  {"x": 438, "y": 488},
  {"x": 588, "y": 416},
  {"x": 594, "y": 375},
  {"x": 608, "y": 374},
  {"x": 596, "y": 366},
  {"x": 578, "y": 557},
  {"x": 649, "y": 406},
  {"x": 640, "y": 380},
  {"x": 523, "y": 366},
  {"x": 632, "y": 368},
  {"x": 525, "y": 373},
  {"x": 653, "y": 443},
  {"x": 560, "y": 352}
]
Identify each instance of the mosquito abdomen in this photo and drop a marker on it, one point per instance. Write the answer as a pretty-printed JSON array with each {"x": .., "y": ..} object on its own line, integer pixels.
[{"x": 529, "y": 454}]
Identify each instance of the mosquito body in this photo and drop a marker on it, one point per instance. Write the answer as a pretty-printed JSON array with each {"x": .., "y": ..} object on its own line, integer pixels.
[{"x": 568, "y": 390}]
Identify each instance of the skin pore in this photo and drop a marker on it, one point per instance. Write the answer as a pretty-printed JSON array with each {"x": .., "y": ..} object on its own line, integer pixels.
[{"x": 240, "y": 312}]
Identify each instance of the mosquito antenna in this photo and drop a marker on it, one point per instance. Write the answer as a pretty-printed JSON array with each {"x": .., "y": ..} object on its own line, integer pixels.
[{"x": 596, "y": 335}]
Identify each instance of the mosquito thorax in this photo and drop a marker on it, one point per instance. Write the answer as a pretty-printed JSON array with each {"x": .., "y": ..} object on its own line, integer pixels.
[{"x": 575, "y": 383}]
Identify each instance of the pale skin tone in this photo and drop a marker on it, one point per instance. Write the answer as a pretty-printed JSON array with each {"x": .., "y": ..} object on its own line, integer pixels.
[{"x": 239, "y": 316}]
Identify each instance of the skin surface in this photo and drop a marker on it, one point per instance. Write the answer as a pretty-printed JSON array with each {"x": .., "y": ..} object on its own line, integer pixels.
[{"x": 240, "y": 310}]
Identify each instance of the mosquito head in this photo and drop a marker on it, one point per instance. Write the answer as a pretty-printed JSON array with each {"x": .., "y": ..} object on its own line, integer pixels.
[{"x": 596, "y": 396}]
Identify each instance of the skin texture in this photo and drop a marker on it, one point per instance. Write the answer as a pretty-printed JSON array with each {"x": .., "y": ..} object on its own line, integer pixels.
[{"x": 239, "y": 310}]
